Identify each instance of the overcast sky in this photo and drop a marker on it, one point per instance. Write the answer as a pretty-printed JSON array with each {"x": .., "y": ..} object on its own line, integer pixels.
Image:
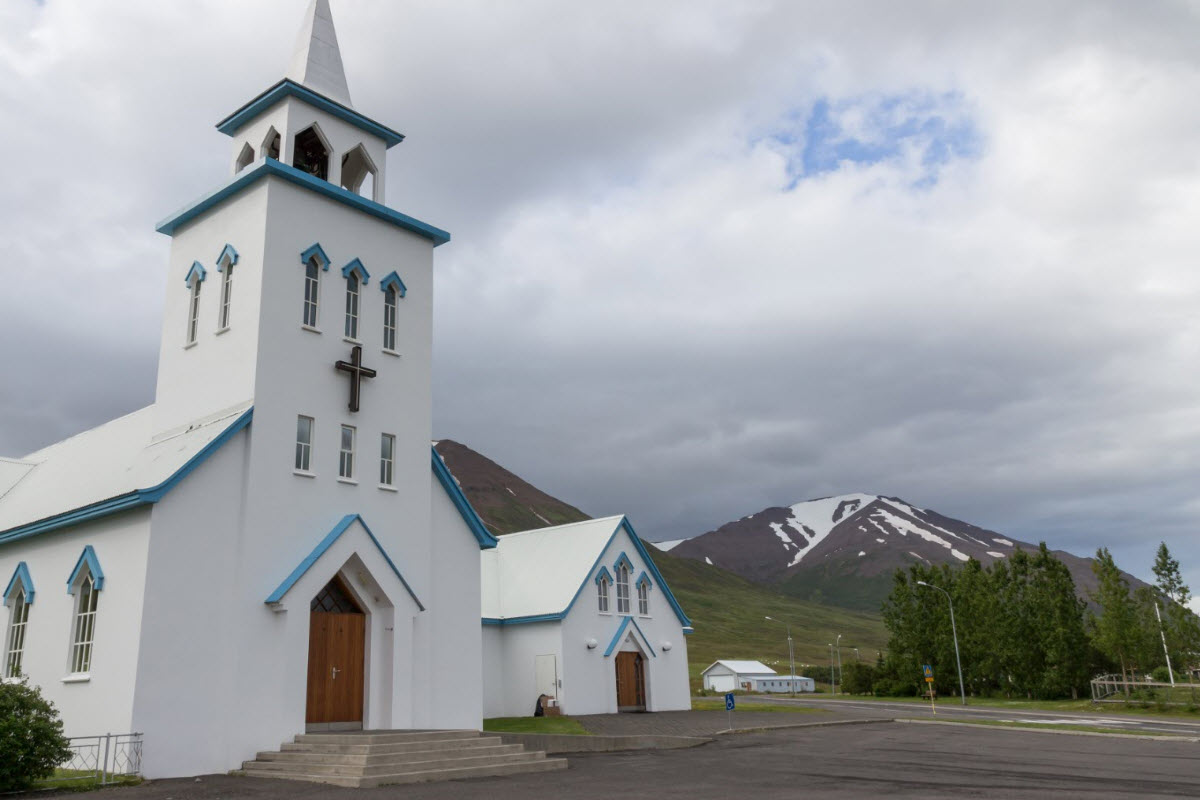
[{"x": 707, "y": 257}]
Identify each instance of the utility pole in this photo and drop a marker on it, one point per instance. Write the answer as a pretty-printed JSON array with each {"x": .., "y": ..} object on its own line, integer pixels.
[
  {"x": 839, "y": 657},
  {"x": 962, "y": 692},
  {"x": 832, "y": 674},
  {"x": 791, "y": 653},
  {"x": 1170, "y": 671}
]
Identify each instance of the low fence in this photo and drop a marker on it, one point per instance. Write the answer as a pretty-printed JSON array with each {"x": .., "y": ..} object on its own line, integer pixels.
[
  {"x": 1119, "y": 689},
  {"x": 101, "y": 758}
]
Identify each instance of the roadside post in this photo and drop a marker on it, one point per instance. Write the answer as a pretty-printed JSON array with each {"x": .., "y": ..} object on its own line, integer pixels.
[
  {"x": 729, "y": 709},
  {"x": 928, "y": 670}
]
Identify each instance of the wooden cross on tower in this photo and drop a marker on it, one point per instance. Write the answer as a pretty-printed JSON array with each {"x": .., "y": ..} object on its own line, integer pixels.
[{"x": 357, "y": 373}]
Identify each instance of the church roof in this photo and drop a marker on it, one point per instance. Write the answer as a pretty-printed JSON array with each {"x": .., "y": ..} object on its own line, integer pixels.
[
  {"x": 317, "y": 60},
  {"x": 535, "y": 576},
  {"x": 118, "y": 465}
]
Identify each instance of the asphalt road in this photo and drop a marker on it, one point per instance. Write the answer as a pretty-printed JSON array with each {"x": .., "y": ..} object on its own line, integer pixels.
[
  {"x": 844, "y": 761},
  {"x": 951, "y": 710}
]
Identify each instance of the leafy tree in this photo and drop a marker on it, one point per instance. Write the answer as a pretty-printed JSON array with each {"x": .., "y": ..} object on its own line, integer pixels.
[
  {"x": 31, "y": 739},
  {"x": 1181, "y": 627},
  {"x": 859, "y": 678},
  {"x": 1116, "y": 631}
]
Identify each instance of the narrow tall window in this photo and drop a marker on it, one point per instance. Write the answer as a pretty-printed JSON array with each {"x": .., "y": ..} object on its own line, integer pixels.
[
  {"x": 622, "y": 589},
  {"x": 389, "y": 318},
  {"x": 304, "y": 436},
  {"x": 387, "y": 458},
  {"x": 85, "y": 625},
  {"x": 602, "y": 593},
  {"x": 346, "y": 455},
  {"x": 644, "y": 599},
  {"x": 193, "y": 311},
  {"x": 352, "y": 305},
  {"x": 312, "y": 291},
  {"x": 19, "y": 616},
  {"x": 226, "y": 291}
]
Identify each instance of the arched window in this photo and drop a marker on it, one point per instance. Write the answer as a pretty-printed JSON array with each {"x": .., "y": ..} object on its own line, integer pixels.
[
  {"x": 18, "y": 597},
  {"x": 225, "y": 263},
  {"x": 602, "y": 593},
  {"x": 85, "y": 583},
  {"x": 245, "y": 158},
  {"x": 311, "y": 153},
  {"x": 393, "y": 289},
  {"x": 358, "y": 172},
  {"x": 194, "y": 279},
  {"x": 270, "y": 146},
  {"x": 315, "y": 262},
  {"x": 622, "y": 588},
  {"x": 643, "y": 592},
  {"x": 352, "y": 296}
]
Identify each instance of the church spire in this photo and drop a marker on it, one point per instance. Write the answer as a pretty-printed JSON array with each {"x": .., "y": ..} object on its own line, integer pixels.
[{"x": 317, "y": 61}]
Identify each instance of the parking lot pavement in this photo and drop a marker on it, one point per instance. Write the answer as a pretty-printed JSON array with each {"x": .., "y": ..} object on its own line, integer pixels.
[{"x": 828, "y": 762}]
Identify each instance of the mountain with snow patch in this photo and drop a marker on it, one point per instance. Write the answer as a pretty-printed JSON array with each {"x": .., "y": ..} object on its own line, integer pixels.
[{"x": 844, "y": 550}]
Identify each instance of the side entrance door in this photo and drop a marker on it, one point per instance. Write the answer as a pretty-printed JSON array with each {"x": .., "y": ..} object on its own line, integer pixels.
[
  {"x": 631, "y": 682},
  {"x": 336, "y": 647}
]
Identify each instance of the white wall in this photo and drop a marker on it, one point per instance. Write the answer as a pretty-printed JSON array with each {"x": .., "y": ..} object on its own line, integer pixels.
[
  {"x": 509, "y": 655},
  {"x": 103, "y": 703}
]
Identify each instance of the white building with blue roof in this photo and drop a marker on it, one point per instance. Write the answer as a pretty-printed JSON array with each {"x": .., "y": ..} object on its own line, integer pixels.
[
  {"x": 580, "y": 615},
  {"x": 270, "y": 547}
]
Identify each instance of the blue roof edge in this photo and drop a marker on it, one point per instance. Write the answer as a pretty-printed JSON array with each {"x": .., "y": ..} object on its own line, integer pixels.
[
  {"x": 138, "y": 497},
  {"x": 486, "y": 540},
  {"x": 269, "y": 166},
  {"x": 289, "y": 88}
]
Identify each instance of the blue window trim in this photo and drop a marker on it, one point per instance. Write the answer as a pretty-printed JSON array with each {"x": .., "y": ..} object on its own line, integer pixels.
[
  {"x": 616, "y": 640},
  {"x": 356, "y": 266},
  {"x": 625, "y": 558},
  {"x": 486, "y": 540},
  {"x": 227, "y": 250},
  {"x": 270, "y": 167},
  {"x": 288, "y": 88},
  {"x": 393, "y": 279},
  {"x": 623, "y": 525},
  {"x": 20, "y": 578},
  {"x": 603, "y": 573},
  {"x": 315, "y": 250},
  {"x": 197, "y": 271},
  {"x": 88, "y": 560},
  {"x": 134, "y": 499},
  {"x": 303, "y": 567},
  {"x": 644, "y": 578}
]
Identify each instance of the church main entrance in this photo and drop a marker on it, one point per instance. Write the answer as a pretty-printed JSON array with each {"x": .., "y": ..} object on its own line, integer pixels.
[
  {"x": 631, "y": 681},
  {"x": 336, "y": 648}
]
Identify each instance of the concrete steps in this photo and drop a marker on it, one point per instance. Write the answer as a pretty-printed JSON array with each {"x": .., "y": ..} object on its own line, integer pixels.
[{"x": 377, "y": 758}]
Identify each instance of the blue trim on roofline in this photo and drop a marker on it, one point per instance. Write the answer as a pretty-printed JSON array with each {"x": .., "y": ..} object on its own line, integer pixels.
[
  {"x": 627, "y": 561},
  {"x": 21, "y": 574},
  {"x": 486, "y": 540},
  {"x": 318, "y": 551},
  {"x": 288, "y": 88},
  {"x": 658, "y": 578},
  {"x": 523, "y": 620},
  {"x": 315, "y": 249},
  {"x": 357, "y": 266},
  {"x": 603, "y": 573},
  {"x": 138, "y": 497},
  {"x": 227, "y": 250},
  {"x": 87, "y": 558},
  {"x": 393, "y": 278},
  {"x": 269, "y": 166},
  {"x": 198, "y": 270},
  {"x": 612, "y": 645}
]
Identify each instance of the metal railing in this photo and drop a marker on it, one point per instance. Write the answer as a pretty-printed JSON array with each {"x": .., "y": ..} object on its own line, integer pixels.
[
  {"x": 1119, "y": 689},
  {"x": 101, "y": 758}
]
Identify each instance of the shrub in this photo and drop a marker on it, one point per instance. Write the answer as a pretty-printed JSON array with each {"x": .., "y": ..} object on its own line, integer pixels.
[
  {"x": 858, "y": 678},
  {"x": 31, "y": 739},
  {"x": 1161, "y": 675},
  {"x": 890, "y": 687}
]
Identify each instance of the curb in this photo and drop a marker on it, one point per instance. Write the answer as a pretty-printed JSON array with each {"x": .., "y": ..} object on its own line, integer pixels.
[
  {"x": 1165, "y": 737},
  {"x": 794, "y": 725},
  {"x": 555, "y": 743}
]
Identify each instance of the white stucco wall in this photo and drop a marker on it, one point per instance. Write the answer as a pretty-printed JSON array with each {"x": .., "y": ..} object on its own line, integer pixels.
[
  {"x": 509, "y": 655},
  {"x": 103, "y": 702}
]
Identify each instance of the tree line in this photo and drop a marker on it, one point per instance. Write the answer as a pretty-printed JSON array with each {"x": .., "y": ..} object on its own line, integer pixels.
[{"x": 1024, "y": 632}]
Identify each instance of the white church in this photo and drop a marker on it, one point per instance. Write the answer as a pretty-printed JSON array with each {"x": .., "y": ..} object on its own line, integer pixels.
[{"x": 271, "y": 546}]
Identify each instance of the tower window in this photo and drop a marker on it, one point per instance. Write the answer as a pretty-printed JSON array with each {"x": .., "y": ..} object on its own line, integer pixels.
[
  {"x": 346, "y": 454},
  {"x": 304, "y": 437},
  {"x": 312, "y": 291},
  {"x": 85, "y": 624},
  {"x": 226, "y": 294},
  {"x": 270, "y": 147},
  {"x": 193, "y": 311},
  {"x": 387, "y": 459},
  {"x": 310, "y": 154},
  {"x": 18, "y": 619},
  {"x": 245, "y": 158},
  {"x": 390, "y": 300},
  {"x": 358, "y": 172},
  {"x": 352, "y": 296}
]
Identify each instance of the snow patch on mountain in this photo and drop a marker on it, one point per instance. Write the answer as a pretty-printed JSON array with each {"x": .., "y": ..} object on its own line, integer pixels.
[
  {"x": 666, "y": 545},
  {"x": 904, "y": 527},
  {"x": 783, "y": 537},
  {"x": 1004, "y": 542},
  {"x": 994, "y": 554},
  {"x": 816, "y": 518}
]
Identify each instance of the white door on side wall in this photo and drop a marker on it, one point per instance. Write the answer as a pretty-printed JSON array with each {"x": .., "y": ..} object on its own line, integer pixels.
[
  {"x": 545, "y": 675},
  {"x": 722, "y": 683}
]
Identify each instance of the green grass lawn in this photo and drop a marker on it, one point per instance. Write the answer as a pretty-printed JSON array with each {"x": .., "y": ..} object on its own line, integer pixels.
[
  {"x": 1001, "y": 723},
  {"x": 719, "y": 705},
  {"x": 1075, "y": 706},
  {"x": 72, "y": 780},
  {"x": 535, "y": 725}
]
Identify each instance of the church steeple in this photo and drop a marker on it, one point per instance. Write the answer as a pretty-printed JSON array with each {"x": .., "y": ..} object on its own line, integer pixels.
[{"x": 317, "y": 61}]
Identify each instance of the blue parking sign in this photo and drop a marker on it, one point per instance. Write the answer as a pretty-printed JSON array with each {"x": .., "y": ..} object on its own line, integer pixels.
[{"x": 729, "y": 702}]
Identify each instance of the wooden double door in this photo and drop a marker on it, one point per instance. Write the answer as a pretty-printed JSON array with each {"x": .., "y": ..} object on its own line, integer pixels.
[
  {"x": 336, "y": 649},
  {"x": 631, "y": 681}
]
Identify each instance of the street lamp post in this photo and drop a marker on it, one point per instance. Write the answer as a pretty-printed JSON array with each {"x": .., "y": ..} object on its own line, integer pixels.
[
  {"x": 962, "y": 691},
  {"x": 832, "y": 674},
  {"x": 791, "y": 652},
  {"x": 839, "y": 657}
]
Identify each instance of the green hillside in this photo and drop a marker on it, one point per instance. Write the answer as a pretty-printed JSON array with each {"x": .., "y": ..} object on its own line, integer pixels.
[{"x": 728, "y": 613}]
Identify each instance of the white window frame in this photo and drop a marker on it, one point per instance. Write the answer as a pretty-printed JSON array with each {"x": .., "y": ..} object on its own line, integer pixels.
[
  {"x": 346, "y": 455},
  {"x": 622, "y": 581},
  {"x": 303, "y": 462},
  {"x": 602, "y": 596},
  {"x": 387, "y": 459},
  {"x": 18, "y": 622},
  {"x": 391, "y": 306},
  {"x": 83, "y": 628},
  {"x": 312, "y": 294},
  {"x": 193, "y": 327},
  {"x": 643, "y": 596},
  {"x": 226, "y": 294},
  {"x": 353, "y": 298}
]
